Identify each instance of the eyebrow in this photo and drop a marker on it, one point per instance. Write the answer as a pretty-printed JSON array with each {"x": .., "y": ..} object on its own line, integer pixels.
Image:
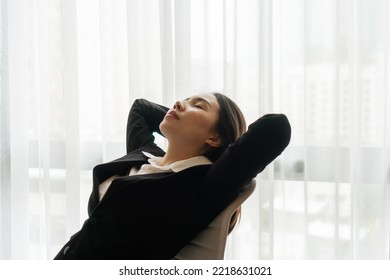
[{"x": 198, "y": 98}]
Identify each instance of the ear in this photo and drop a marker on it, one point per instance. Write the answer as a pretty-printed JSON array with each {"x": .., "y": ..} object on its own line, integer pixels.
[{"x": 214, "y": 141}]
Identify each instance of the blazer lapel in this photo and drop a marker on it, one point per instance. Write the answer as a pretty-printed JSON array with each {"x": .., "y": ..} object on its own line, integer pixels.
[
  {"x": 130, "y": 182},
  {"x": 121, "y": 166}
]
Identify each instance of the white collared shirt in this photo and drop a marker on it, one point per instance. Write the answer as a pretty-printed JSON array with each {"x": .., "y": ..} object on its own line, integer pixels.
[{"x": 154, "y": 167}]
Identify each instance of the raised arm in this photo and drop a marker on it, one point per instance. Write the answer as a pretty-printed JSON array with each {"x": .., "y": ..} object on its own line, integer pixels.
[
  {"x": 144, "y": 119},
  {"x": 265, "y": 139}
]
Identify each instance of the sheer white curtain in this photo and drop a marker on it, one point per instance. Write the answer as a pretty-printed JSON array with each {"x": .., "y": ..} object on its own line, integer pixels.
[{"x": 70, "y": 70}]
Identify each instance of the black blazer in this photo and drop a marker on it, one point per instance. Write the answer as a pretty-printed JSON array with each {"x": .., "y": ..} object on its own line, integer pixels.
[{"x": 153, "y": 216}]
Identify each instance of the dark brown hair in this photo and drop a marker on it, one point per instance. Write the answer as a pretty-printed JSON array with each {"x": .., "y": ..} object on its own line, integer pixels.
[{"x": 230, "y": 125}]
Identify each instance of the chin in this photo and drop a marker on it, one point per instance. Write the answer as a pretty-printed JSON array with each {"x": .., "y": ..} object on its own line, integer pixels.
[{"x": 164, "y": 128}]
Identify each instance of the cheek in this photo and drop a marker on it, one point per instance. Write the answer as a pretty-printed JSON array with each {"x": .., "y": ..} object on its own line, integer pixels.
[{"x": 205, "y": 123}]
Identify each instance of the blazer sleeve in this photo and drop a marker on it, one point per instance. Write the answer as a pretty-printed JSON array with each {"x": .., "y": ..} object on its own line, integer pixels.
[
  {"x": 143, "y": 120},
  {"x": 265, "y": 139}
]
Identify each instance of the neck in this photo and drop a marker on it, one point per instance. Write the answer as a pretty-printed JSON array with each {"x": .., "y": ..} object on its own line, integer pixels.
[{"x": 176, "y": 154}]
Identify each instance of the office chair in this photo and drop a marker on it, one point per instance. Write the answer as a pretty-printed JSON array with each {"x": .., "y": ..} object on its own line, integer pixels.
[{"x": 210, "y": 243}]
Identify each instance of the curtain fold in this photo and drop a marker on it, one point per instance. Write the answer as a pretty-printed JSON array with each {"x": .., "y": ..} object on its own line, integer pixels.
[
  {"x": 5, "y": 153},
  {"x": 71, "y": 69},
  {"x": 18, "y": 122}
]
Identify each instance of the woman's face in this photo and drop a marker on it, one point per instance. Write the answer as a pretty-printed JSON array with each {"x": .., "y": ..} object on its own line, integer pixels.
[{"x": 192, "y": 121}]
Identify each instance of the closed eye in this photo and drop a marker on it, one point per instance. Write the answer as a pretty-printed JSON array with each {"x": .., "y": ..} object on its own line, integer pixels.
[
  {"x": 198, "y": 106},
  {"x": 199, "y": 102}
]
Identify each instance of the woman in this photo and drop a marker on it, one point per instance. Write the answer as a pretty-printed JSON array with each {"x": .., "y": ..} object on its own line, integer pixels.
[{"x": 150, "y": 203}]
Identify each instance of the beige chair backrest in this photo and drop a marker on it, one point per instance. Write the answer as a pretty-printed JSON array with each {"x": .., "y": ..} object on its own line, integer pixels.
[{"x": 210, "y": 243}]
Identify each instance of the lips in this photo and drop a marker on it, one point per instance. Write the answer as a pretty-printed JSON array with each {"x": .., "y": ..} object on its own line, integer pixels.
[{"x": 172, "y": 114}]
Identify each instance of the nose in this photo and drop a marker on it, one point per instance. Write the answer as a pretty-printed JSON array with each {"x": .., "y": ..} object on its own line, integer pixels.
[{"x": 178, "y": 105}]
